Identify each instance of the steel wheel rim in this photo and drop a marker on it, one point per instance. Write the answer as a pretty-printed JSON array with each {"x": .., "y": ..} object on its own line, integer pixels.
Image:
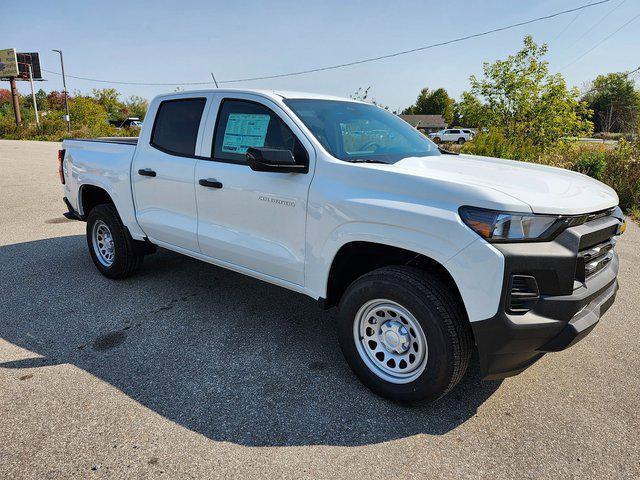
[
  {"x": 102, "y": 241},
  {"x": 390, "y": 341}
]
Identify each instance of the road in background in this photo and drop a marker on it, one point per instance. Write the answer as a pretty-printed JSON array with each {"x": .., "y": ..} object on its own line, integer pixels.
[{"x": 189, "y": 370}]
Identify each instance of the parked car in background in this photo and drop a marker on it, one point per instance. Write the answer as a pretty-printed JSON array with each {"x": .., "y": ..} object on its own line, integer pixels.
[
  {"x": 127, "y": 123},
  {"x": 457, "y": 135}
]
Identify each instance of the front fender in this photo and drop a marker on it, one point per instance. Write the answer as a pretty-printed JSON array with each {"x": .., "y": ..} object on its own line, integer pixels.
[{"x": 474, "y": 265}]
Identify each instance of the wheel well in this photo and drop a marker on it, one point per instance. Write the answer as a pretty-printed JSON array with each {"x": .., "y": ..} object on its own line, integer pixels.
[
  {"x": 357, "y": 258},
  {"x": 90, "y": 196}
]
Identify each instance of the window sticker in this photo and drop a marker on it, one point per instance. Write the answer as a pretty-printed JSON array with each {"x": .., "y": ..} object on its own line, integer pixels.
[{"x": 245, "y": 130}]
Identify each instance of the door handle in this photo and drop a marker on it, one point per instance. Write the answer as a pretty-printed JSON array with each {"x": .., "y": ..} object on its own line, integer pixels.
[
  {"x": 210, "y": 182},
  {"x": 146, "y": 172}
]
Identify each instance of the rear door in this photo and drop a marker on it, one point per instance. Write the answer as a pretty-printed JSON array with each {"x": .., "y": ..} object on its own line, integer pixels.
[
  {"x": 247, "y": 219},
  {"x": 163, "y": 172}
]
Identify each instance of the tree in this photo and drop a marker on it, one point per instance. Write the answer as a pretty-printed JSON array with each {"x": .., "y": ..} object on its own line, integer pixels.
[
  {"x": 6, "y": 107},
  {"x": 526, "y": 103},
  {"x": 362, "y": 95},
  {"x": 137, "y": 106},
  {"x": 5, "y": 96},
  {"x": 86, "y": 111},
  {"x": 437, "y": 102},
  {"x": 469, "y": 112},
  {"x": 41, "y": 99},
  {"x": 615, "y": 103},
  {"x": 55, "y": 100},
  {"x": 109, "y": 99}
]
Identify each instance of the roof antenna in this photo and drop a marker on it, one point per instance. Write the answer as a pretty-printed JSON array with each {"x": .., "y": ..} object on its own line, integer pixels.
[{"x": 214, "y": 79}]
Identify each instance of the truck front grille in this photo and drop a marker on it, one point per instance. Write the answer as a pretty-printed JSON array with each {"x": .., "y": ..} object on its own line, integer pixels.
[
  {"x": 596, "y": 247},
  {"x": 600, "y": 214}
]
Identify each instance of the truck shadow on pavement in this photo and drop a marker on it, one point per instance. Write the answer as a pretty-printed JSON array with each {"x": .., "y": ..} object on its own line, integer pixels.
[{"x": 224, "y": 355}]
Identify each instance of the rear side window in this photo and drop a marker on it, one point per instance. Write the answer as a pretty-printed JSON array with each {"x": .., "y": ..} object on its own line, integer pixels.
[
  {"x": 175, "y": 129},
  {"x": 243, "y": 124}
]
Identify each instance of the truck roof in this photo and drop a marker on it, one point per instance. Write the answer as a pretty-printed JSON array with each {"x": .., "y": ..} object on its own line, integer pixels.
[{"x": 273, "y": 94}]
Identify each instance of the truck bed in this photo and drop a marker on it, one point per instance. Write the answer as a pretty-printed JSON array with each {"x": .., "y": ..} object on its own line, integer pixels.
[
  {"x": 102, "y": 162},
  {"x": 121, "y": 140}
]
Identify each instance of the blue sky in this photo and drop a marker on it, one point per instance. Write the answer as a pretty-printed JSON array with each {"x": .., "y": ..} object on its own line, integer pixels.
[{"x": 168, "y": 41}]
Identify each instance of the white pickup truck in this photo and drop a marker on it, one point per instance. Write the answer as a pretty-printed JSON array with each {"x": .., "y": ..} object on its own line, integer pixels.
[{"x": 426, "y": 254}]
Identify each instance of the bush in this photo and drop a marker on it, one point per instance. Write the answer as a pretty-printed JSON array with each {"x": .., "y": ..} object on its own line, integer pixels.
[
  {"x": 90, "y": 115},
  {"x": 622, "y": 173},
  {"x": 592, "y": 163},
  {"x": 53, "y": 128},
  {"x": 495, "y": 143}
]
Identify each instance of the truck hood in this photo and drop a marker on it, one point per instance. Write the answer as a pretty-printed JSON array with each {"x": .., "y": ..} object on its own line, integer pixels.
[{"x": 545, "y": 189}]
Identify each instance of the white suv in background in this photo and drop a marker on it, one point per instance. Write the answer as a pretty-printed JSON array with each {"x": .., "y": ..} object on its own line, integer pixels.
[{"x": 452, "y": 135}]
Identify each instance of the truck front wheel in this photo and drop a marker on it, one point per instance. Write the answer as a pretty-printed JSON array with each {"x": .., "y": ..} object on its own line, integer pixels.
[
  {"x": 404, "y": 334},
  {"x": 112, "y": 249}
]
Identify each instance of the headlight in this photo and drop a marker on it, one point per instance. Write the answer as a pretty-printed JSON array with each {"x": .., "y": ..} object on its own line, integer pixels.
[{"x": 496, "y": 226}]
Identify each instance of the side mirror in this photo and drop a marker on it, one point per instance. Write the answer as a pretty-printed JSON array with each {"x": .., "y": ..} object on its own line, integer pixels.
[{"x": 273, "y": 160}]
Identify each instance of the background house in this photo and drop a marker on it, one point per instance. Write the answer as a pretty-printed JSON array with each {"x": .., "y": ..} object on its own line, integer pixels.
[{"x": 425, "y": 123}]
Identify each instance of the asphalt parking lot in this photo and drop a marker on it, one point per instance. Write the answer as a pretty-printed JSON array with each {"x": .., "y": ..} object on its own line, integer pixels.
[{"x": 189, "y": 371}]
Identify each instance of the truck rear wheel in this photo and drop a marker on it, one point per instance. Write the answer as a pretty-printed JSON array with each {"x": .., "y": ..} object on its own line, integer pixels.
[
  {"x": 404, "y": 334},
  {"x": 112, "y": 249}
]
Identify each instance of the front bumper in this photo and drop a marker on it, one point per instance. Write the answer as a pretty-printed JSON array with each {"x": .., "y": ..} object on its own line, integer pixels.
[{"x": 568, "y": 308}]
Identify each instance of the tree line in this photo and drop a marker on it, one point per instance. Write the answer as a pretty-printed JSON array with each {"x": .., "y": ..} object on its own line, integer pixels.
[
  {"x": 519, "y": 96},
  {"x": 95, "y": 114}
]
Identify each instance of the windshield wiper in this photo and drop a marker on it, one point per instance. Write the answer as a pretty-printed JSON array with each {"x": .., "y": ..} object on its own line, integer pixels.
[
  {"x": 447, "y": 152},
  {"x": 366, "y": 160}
]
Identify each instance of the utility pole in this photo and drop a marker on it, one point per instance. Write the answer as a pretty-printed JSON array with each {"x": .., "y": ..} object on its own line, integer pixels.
[
  {"x": 15, "y": 101},
  {"x": 66, "y": 95},
  {"x": 33, "y": 96}
]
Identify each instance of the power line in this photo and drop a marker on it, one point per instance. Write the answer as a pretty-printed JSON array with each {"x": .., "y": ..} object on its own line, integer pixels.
[
  {"x": 602, "y": 19},
  {"x": 567, "y": 27},
  {"x": 601, "y": 41},
  {"x": 349, "y": 64},
  {"x": 413, "y": 50}
]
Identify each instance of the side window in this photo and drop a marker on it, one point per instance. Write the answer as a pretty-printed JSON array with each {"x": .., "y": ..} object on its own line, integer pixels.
[
  {"x": 242, "y": 124},
  {"x": 175, "y": 129}
]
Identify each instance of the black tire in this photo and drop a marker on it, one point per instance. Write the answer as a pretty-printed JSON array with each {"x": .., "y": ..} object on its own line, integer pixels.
[
  {"x": 461, "y": 140},
  {"x": 127, "y": 257},
  {"x": 436, "y": 140},
  {"x": 439, "y": 313}
]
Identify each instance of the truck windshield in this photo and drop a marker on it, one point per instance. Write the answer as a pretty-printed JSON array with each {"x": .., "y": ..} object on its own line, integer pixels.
[{"x": 355, "y": 132}]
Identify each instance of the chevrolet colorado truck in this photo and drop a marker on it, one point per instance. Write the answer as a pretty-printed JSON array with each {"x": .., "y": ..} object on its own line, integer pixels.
[{"x": 427, "y": 255}]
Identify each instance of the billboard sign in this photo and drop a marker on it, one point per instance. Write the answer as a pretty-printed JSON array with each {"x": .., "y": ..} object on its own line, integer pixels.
[
  {"x": 26, "y": 59},
  {"x": 8, "y": 63}
]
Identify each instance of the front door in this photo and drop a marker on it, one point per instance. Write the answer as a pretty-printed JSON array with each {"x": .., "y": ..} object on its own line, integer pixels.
[
  {"x": 254, "y": 220},
  {"x": 163, "y": 174}
]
